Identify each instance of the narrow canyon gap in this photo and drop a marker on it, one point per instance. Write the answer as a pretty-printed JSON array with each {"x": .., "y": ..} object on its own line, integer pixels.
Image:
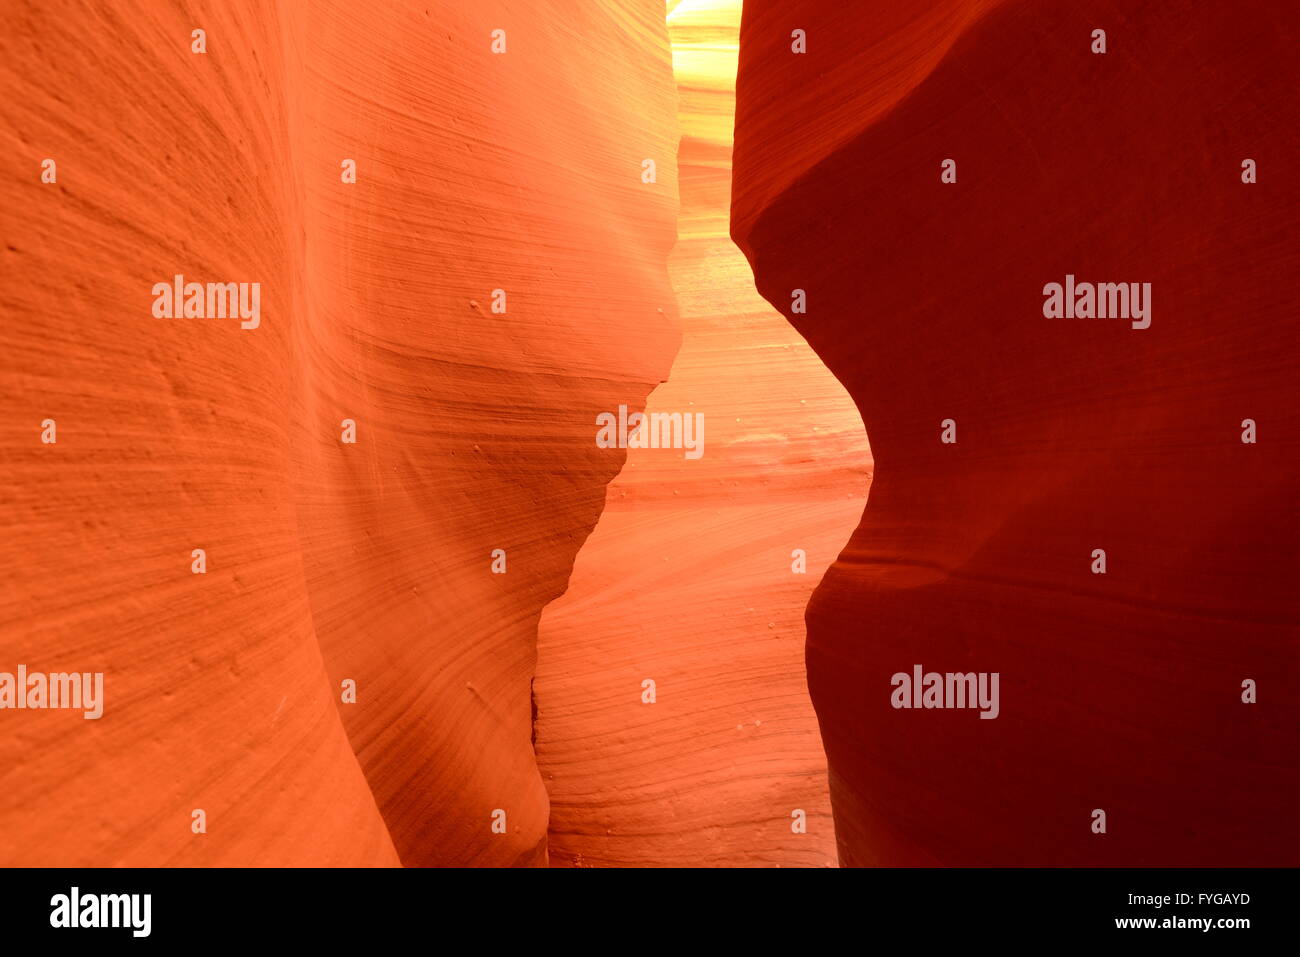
[{"x": 688, "y": 580}]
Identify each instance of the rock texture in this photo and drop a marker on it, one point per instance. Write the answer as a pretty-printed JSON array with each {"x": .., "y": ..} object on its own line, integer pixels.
[
  {"x": 687, "y": 580},
  {"x": 1120, "y": 692},
  {"x": 325, "y": 561}
]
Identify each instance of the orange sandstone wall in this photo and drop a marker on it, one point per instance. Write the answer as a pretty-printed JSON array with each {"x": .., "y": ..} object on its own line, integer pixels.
[{"x": 325, "y": 561}]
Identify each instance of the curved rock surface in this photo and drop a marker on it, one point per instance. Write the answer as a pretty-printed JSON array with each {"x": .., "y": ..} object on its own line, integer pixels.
[
  {"x": 1120, "y": 692},
  {"x": 687, "y": 580},
  {"x": 325, "y": 561}
]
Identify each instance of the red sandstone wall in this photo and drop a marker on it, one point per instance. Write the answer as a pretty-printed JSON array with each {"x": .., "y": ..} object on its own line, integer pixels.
[{"x": 1122, "y": 691}]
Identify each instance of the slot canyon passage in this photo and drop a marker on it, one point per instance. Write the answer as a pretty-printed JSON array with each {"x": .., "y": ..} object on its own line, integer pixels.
[
  {"x": 687, "y": 580},
  {"x": 365, "y": 586}
]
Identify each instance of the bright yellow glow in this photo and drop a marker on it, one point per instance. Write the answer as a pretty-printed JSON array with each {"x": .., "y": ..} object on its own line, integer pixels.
[{"x": 705, "y": 39}]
